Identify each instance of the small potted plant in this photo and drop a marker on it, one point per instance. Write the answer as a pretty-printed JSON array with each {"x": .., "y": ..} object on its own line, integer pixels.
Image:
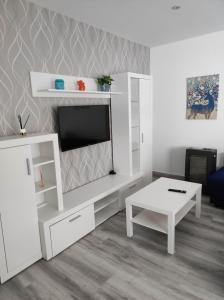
[{"x": 104, "y": 83}]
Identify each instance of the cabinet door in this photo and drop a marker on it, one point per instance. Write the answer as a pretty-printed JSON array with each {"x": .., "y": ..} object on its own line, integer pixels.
[
  {"x": 19, "y": 222},
  {"x": 145, "y": 91}
]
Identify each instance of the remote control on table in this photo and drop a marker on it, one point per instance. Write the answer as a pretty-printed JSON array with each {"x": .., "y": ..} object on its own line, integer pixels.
[{"x": 177, "y": 191}]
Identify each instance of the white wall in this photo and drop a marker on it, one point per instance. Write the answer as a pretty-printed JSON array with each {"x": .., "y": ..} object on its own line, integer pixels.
[{"x": 170, "y": 66}]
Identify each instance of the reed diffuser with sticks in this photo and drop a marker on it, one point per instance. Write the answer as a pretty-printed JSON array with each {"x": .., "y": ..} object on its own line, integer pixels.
[{"x": 23, "y": 126}]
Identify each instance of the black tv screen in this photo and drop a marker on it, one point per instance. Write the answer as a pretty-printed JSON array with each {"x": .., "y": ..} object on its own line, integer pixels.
[{"x": 80, "y": 126}]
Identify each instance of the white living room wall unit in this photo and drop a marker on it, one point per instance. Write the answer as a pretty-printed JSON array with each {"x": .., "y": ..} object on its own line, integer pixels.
[
  {"x": 132, "y": 124},
  {"x": 170, "y": 66}
]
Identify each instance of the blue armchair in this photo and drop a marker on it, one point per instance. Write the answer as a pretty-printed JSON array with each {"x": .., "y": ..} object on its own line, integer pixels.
[{"x": 216, "y": 187}]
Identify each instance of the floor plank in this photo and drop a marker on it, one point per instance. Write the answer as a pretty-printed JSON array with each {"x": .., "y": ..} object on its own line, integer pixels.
[{"x": 107, "y": 265}]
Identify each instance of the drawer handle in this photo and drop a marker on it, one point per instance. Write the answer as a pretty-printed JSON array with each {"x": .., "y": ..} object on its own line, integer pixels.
[
  {"x": 75, "y": 218},
  {"x": 132, "y": 186}
]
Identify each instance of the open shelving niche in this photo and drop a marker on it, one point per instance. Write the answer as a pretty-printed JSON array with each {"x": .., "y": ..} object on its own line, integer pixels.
[
  {"x": 106, "y": 208},
  {"x": 43, "y": 87},
  {"x": 43, "y": 162}
]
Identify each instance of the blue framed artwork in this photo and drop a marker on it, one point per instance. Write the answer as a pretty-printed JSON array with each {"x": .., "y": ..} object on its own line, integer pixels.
[{"x": 202, "y": 97}]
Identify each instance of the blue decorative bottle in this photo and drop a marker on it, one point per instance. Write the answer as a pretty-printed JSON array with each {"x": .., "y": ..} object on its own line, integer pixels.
[{"x": 59, "y": 84}]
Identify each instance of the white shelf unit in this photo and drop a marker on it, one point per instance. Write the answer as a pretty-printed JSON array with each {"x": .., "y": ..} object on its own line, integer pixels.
[
  {"x": 45, "y": 161},
  {"x": 132, "y": 124},
  {"x": 43, "y": 87},
  {"x": 21, "y": 197}
]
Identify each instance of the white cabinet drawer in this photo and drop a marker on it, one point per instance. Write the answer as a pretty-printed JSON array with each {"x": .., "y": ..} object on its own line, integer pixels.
[{"x": 69, "y": 230}]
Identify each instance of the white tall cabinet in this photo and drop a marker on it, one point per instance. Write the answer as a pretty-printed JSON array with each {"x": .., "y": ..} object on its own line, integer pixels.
[
  {"x": 19, "y": 223},
  {"x": 22, "y": 161},
  {"x": 132, "y": 124}
]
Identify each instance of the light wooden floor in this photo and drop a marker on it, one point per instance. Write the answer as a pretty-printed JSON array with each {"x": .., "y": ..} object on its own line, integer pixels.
[{"x": 108, "y": 265}]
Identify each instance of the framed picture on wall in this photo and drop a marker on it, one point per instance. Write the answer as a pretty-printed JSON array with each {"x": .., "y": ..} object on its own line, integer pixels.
[{"x": 202, "y": 97}]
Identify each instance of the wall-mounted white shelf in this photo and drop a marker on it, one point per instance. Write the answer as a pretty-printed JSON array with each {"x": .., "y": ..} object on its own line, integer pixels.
[
  {"x": 75, "y": 94},
  {"x": 43, "y": 87}
]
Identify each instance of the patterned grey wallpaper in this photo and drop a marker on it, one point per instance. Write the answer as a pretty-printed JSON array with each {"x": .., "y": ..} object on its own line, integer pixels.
[{"x": 35, "y": 38}]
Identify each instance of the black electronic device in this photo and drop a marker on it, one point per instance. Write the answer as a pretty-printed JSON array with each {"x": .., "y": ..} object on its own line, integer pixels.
[
  {"x": 177, "y": 191},
  {"x": 80, "y": 126}
]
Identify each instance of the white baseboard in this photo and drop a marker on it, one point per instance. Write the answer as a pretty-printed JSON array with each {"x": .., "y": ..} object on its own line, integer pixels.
[{"x": 161, "y": 174}]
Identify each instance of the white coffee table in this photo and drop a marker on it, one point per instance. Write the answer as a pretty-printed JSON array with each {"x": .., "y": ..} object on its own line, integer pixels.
[{"x": 163, "y": 210}]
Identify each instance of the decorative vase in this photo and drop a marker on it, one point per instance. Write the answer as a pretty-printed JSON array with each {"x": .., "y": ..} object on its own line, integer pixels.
[
  {"x": 59, "y": 84},
  {"x": 81, "y": 85},
  {"x": 104, "y": 87},
  {"x": 23, "y": 131}
]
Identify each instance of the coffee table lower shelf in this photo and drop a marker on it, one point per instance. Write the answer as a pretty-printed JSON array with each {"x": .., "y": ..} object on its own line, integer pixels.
[
  {"x": 162, "y": 210},
  {"x": 159, "y": 221}
]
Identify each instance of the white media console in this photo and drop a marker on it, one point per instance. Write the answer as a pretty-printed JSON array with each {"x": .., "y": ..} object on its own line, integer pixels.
[{"x": 84, "y": 209}]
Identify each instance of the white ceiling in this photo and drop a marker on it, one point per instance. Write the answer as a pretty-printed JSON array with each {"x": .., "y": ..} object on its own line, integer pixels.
[{"x": 149, "y": 22}]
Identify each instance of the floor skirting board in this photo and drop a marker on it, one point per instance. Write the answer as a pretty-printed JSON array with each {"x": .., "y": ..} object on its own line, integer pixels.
[{"x": 161, "y": 174}]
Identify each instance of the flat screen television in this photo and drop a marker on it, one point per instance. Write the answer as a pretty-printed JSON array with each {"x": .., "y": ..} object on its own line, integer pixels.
[{"x": 80, "y": 126}]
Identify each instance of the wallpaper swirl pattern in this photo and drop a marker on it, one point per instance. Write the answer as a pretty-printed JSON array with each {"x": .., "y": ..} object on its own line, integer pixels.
[{"x": 35, "y": 38}]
